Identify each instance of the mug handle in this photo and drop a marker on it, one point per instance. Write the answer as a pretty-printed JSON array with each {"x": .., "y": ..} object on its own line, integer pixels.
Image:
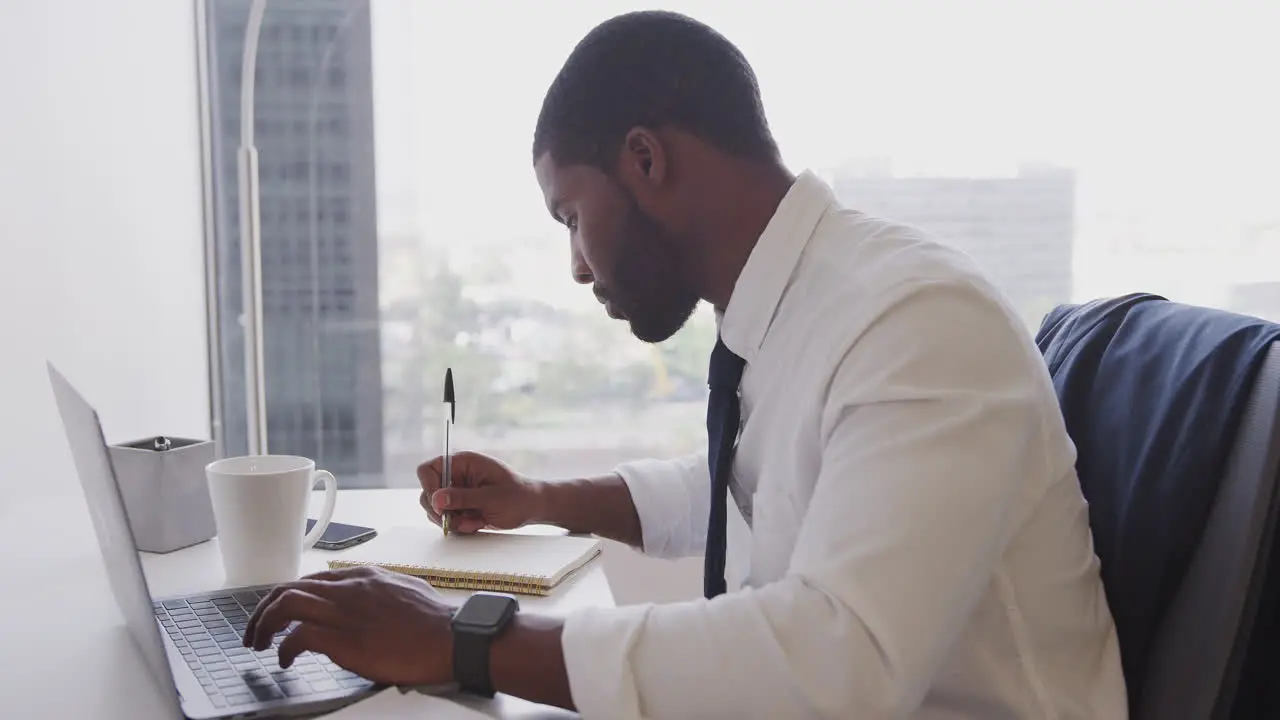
[{"x": 330, "y": 499}]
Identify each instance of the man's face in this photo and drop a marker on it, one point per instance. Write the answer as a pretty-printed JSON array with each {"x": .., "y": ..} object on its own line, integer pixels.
[{"x": 633, "y": 264}]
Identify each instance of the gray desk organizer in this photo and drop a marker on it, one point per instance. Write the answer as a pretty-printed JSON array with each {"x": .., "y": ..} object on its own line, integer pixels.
[{"x": 165, "y": 491}]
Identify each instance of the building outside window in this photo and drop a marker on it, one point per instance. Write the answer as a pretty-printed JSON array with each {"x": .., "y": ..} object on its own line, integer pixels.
[{"x": 403, "y": 231}]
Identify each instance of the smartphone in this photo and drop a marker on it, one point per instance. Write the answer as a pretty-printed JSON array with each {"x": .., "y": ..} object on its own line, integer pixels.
[{"x": 339, "y": 535}]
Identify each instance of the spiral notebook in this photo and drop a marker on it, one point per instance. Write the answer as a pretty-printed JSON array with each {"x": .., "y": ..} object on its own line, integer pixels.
[{"x": 512, "y": 562}]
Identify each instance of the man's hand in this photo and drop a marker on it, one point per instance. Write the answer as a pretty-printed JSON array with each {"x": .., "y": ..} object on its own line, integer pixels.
[
  {"x": 487, "y": 494},
  {"x": 484, "y": 494},
  {"x": 384, "y": 626}
]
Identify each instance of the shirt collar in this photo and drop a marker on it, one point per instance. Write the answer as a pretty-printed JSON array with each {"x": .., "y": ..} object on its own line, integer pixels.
[{"x": 764, "y": 278}]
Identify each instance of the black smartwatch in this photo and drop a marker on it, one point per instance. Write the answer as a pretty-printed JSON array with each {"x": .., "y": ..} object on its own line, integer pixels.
[{"x": 475, "y": 624}]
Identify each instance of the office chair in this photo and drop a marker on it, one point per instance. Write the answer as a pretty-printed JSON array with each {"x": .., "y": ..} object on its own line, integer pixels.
[
  {"x": 1198, "y": 652},
  {"x": 1178, "y": 453}
]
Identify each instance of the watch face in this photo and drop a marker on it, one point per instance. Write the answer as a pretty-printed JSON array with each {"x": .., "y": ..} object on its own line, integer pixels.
[{"x": 483, "y": 610}]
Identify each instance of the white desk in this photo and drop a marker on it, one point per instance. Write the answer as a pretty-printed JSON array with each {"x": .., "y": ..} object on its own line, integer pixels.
[{"x": 64, "y": 650}]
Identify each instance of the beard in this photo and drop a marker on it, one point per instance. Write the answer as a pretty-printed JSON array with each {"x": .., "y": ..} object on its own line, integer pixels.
[{"x": 649, "y": 286}]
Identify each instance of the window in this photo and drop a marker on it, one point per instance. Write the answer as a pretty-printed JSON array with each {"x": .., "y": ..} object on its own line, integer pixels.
[{"x": 406, "y": 232}]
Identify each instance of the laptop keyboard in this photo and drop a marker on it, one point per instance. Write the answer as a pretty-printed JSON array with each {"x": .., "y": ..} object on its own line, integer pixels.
[{"x": 209, "y": 632}]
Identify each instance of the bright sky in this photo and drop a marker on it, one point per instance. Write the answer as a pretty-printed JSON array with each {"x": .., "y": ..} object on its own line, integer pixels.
[{"x": 1170, "y": 111}]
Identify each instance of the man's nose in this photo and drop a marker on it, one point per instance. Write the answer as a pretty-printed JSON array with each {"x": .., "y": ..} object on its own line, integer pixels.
[{"x": 579, "y": 268}]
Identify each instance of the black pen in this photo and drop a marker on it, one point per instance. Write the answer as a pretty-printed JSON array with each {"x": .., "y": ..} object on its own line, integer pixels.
[{"x": 449, "y": 412}]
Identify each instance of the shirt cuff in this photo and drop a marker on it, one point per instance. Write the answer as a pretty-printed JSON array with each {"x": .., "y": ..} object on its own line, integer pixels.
[
  {"x": 597, "y": 645},
  {"x": 653, "y": 485}
]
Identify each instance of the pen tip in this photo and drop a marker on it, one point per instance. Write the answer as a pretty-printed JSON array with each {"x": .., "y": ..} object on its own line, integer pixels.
[{"x": 448, "y": 393}]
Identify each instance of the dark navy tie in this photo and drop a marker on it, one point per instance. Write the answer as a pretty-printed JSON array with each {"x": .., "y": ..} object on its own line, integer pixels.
[{"x": 723, "y": 417}]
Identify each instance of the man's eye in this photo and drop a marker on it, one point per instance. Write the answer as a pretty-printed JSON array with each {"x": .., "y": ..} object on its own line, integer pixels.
[{"x": 572, "y": 224}]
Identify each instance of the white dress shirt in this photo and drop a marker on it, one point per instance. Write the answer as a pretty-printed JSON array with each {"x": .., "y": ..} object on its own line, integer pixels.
[{"x": 910, "y": 539}]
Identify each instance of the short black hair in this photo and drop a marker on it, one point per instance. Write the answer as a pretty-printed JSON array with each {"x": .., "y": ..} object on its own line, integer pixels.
[{"x": 652, "y": 69}]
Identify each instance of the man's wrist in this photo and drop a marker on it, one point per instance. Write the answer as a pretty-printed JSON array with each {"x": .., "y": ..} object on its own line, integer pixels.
[
  {"x": 527, "y": 661},
  {"x": 599, "y": 506},
  {"x": 445, "y": 650},
  {"x": 552, "y": 500},
  {"x": 540, "y": 492}
]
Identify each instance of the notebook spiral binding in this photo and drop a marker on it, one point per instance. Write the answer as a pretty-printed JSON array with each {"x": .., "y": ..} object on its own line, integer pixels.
[{"x": 514, "y": 583}]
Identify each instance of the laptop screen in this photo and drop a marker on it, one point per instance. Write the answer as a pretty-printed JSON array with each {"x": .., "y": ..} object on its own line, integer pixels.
[{"x": 111, "y": 524}]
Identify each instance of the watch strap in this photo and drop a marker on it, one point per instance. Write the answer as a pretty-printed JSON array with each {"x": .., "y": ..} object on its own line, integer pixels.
[{"x": 471, "y": 662}]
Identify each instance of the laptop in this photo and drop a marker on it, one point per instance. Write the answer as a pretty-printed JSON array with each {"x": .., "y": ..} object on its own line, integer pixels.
[{"x": 192, "y": 643}]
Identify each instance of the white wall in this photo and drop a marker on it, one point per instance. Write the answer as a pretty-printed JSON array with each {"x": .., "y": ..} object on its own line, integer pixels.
[{"x": 101, "y": 251}]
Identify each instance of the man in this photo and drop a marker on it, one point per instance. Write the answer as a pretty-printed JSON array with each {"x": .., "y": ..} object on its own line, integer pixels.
[{"x": 906, "y": 534}]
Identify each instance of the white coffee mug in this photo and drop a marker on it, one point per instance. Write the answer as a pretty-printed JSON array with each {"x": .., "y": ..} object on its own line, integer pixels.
[{"x": 260, "y": 509}]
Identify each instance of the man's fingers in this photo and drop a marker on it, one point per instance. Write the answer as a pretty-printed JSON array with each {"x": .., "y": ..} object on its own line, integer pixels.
[
  {"x": 314, "y": 638},
  {"x": 425, "y": 501},
  {"x": 262, "y": 605},
  {"x": 467, "y": 524},
  {"x": 466, "y": 506},
  {"x": 459, "y": 499},
  {"x": 335, "y": 575},
  {"x": 325, "y": 584},
  {"x": 469, "y": 469},
  {"x": 310, "y": 585},
  {"x": 475, "y": 478},
  {"x": 429, "y": 475},
  {"x": 291, "y": 605}
]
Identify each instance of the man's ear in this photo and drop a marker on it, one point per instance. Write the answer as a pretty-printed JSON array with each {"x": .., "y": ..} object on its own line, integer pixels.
[{"x": 643, "y": 161}]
